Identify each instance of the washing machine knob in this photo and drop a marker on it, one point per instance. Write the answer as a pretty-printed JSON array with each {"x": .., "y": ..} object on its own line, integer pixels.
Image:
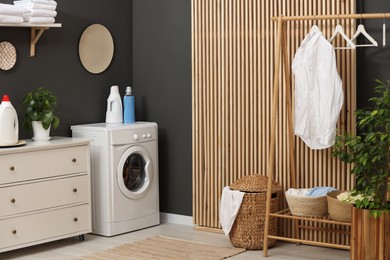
[
  {"x": 144, "y": 136},
  {"x": 135, "y": 137},
  {"x": 148, "y": 135}
]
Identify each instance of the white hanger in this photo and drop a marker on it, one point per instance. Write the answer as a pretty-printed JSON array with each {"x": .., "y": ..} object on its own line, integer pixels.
[
  {"x": 315, "y": 28},
  {"x": 384, "y": 31},
  {"x": 339, "y": 30},
  {"x": 362, "y": 30}
]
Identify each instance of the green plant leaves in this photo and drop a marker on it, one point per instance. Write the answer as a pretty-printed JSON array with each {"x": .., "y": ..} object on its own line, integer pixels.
[
  {"x": 40, "y": 105},
  {"x": 369, "y": 151}
]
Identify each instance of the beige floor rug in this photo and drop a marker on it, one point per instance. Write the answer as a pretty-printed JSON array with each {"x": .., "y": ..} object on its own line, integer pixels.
[{"x": 161, "y": 247}]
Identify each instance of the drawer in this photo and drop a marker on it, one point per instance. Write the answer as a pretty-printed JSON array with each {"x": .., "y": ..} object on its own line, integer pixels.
[
  {"x": 41, "y": 195},
  {"x": 44, "y": 163},
  {"x": 44, "y": 225}
]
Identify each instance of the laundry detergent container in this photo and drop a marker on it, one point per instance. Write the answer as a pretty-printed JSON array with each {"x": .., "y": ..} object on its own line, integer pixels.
[{"x": 248, "y": 228}]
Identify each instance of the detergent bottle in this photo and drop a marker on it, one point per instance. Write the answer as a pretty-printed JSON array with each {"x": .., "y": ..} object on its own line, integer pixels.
[
  {"x": 9, "y": 126},
  {"x": 128, "y": 106},
  {"x": 114, "y": 112}
]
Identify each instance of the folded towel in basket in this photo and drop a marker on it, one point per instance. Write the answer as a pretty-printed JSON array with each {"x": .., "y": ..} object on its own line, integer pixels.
[
  {"x": 311, "y": 192},
  {"x": 320, "y": 191},
  {"x": 10, "y": 19},
  {"x": 230, "y": 205},
  {"x": 298, "y": 192}
]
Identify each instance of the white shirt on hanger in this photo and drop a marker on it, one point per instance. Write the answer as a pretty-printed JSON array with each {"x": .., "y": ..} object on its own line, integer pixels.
[{"x": 318, "y": 91}]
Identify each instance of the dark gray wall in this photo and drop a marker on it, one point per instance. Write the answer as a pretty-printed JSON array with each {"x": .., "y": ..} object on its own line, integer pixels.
[
  {"x": 81, "y": 95},
  {"x": 162, "y": 83},
  {"x": 372, "y": 63}
]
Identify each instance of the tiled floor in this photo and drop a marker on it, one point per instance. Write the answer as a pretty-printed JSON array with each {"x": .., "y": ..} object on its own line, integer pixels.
[{"x": 71, "y": 248}]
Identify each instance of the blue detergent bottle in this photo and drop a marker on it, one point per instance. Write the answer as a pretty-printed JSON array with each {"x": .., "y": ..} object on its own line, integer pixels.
[{"x": 128, "y": 103}]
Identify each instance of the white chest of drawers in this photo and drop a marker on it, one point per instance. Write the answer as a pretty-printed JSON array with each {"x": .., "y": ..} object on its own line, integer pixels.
[{"x": 44, "y": 192}]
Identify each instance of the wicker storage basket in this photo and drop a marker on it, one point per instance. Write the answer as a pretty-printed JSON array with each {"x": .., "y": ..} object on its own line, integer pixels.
[
  {"x": 307, "y": 206},
  {"x": 248, "y": 228},
  {"x": 338, "y": 210}
]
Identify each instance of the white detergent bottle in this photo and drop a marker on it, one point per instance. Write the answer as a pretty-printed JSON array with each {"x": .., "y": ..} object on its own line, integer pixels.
[
  {"x": 114, "y": 114},
  {"x": 9, "y": 126}
]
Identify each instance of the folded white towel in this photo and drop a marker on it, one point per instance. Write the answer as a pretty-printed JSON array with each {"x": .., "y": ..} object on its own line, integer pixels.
[
  {"x": 44, "y": 2},
  {"x": 19, "y": 2},
  {"x": 43, "y": 13},
  {"x": 41, "y": 20},
  {"x": 37, "y": 6},
  {"x": 13, "y": 10},
  {"x": 312, "y": 192},
  {"x": 11, "y": 19},
  {"x": 298, "y": 192},
  {"x": 230, "y": 204}
]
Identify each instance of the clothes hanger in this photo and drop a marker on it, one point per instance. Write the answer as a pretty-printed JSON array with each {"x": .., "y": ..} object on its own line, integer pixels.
[
  {"x": 314, "y": 27},
  {"x": 384, "y": 31},
  {"x": 339, "y": 30},
  {"x": 362, "y": 30}
]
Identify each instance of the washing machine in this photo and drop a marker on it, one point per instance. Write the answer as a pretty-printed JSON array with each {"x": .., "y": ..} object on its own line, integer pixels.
[{"x": 124, "y": 176}]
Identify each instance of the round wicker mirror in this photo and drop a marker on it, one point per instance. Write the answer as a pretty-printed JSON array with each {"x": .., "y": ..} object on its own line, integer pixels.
[
  {"x": 7, "y": 56},
  {"x": 96, "y": 48}
]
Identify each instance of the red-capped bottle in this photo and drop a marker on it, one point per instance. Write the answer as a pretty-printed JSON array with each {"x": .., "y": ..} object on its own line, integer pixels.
[{"x": 9, "y": 126}]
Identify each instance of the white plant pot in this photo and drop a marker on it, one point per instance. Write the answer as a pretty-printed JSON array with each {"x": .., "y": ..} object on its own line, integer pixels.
[{"x": 40, "y": 133}]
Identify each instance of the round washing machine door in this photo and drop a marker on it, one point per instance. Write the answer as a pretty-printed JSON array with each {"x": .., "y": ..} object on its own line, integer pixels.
[{"x": 135, "y": 172}]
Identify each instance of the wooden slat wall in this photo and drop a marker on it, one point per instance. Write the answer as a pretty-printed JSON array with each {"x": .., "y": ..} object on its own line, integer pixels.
[{"x": 233, "y": 48}]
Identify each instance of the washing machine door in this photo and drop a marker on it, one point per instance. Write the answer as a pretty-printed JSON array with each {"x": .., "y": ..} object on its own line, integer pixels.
[{"x": 135, "y": 172}]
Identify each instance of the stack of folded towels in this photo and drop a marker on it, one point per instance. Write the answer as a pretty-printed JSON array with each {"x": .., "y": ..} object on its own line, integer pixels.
[
  {"x": 41, "y": 11},
  {"x": 13, "y": 14}
]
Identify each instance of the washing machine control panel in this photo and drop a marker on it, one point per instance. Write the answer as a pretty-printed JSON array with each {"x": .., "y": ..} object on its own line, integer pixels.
[{"x": 143, "y": 134}]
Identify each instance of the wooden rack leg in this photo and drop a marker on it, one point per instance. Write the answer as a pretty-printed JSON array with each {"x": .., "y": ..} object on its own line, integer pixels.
[
  {"x": 290, "y": 131},
  {"x": 271, "y": 159}
]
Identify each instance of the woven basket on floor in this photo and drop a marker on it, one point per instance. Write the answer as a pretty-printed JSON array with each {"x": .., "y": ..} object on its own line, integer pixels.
[
  {"x": 307, "y": 206},
  {"x": 248, "y": 228}
]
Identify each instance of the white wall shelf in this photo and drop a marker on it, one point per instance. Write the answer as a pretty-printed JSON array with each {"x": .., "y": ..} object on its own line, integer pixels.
[{"x": 36, "y": 32}]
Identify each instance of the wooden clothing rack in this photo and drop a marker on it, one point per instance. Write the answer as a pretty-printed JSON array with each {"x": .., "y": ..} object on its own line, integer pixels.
[{"x": 281, "y": 51}]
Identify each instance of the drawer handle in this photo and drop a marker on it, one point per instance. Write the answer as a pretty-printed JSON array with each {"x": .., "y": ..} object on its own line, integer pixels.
[
  {"x": 14, "y": 232},
  {"x": 12, "y": 168},
  {"x": 74, "y": 190},
  {"x": 13, "y": 200},
  {"x": 74, "y": 160},
  {"x": 75, "y": 219}
]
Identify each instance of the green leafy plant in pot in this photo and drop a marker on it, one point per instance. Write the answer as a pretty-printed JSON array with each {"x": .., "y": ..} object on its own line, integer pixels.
[
  {"x": 368, "y": 151},
  {"x": 39, "y": 107}
]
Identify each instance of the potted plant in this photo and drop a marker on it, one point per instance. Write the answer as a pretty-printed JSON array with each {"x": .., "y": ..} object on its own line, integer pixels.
[
  {"x": 39, "y": 107},
  {"x": 368, "y": 152}
]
